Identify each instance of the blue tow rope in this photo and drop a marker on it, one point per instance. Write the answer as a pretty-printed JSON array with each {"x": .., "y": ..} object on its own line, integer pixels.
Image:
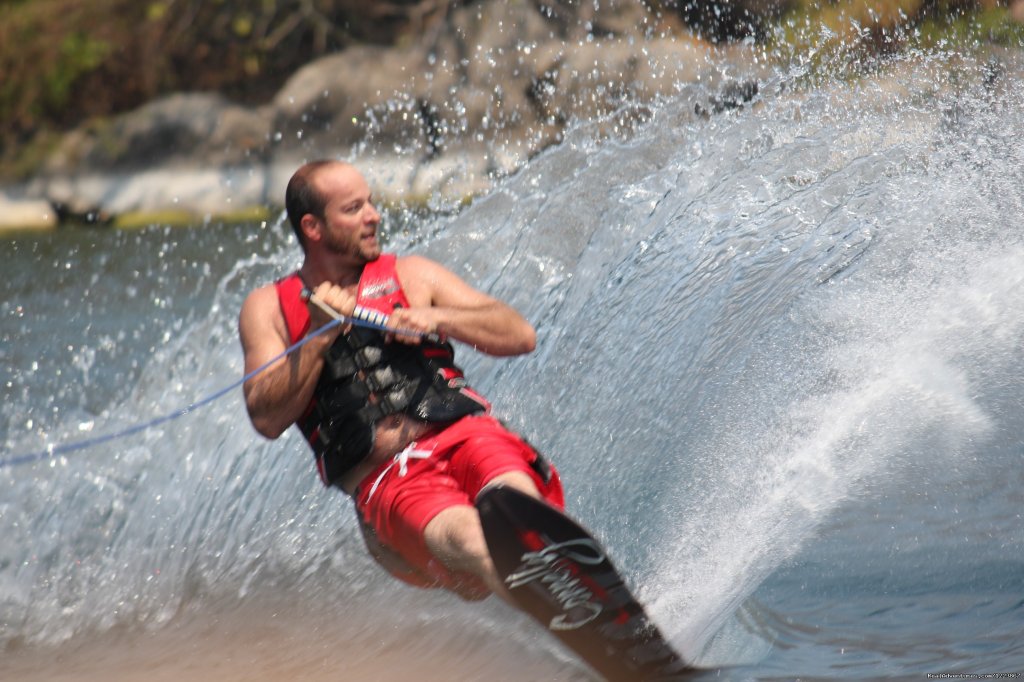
[
  {"x": 61, "y": 449},
  {"x": 363, "y": 317}
]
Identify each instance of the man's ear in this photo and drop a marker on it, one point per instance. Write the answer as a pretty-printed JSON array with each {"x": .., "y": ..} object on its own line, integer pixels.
[{"x": 310, "y": 227}]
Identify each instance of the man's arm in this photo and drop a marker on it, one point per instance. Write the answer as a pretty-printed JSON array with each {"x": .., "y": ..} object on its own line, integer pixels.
[
  {"x": 277, "y": 396},
  {"x": 443, "y": 303}
]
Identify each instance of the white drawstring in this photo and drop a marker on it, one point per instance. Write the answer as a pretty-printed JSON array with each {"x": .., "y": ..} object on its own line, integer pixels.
[{"x": 402, "y": 460}]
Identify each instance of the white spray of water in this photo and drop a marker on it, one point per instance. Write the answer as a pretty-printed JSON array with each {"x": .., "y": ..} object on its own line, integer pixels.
[{"x": 905, "y": 395}]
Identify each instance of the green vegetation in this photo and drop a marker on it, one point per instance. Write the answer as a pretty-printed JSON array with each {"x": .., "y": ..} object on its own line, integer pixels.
[
  {"x": 77, "y": 56},
  {"x": 142, "y": 219},
  {"x": 63, "y": 62},
  {"x": 878, "y": 27},
  {"x": 993, "y": 25},
  {"x": 848, "y": 38}
]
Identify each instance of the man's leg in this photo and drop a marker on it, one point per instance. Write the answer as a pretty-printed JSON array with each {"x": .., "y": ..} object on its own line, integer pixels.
[{"x": 456, "y": 538}]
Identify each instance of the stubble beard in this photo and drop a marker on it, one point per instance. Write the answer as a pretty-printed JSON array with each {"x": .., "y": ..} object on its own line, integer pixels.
[
  {"x": 354, "y": 249},
  {"x": 370, "y": 253}
]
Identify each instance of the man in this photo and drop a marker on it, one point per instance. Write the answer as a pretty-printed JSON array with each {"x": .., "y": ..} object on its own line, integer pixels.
[{"x": 389, "y": 416}]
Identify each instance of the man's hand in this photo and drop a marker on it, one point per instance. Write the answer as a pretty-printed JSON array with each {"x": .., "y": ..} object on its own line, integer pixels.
[
  {"x": 335, "y": 297},
  {"x": 421, "y": 320}
]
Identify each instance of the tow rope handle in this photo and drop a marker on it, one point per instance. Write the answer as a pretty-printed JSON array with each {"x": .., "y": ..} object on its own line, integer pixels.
[{"x": 367, "y": 317}]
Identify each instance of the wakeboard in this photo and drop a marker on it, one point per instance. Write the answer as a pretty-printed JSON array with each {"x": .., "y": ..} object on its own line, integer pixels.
[{"x": 558, "y": 573}]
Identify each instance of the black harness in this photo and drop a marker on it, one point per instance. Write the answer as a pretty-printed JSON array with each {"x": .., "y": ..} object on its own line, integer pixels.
[{"x": 365, "y": 379}]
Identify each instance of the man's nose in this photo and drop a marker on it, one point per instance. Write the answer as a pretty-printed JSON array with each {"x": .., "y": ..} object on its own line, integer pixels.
[{"x": 372, "y": 216}]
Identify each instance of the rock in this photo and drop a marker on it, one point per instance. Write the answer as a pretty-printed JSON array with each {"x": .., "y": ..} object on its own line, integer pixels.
[
  {"x": 488, "y": 86},
  {"x": 327, "y": 94},
  {"x": 202, "y": 191},
  {"x": 198, "y": 128},
  {"x": 240, "y": 136},
  {"x": 612, "y": 18},
  {"x": 725, "y": 20},
  {"x": 25, "y": 214},
  {"x": 594, "y": 78}
]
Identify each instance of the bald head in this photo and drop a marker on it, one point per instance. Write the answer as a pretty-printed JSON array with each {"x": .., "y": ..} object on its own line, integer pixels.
[{"x": 302, "y": 195}]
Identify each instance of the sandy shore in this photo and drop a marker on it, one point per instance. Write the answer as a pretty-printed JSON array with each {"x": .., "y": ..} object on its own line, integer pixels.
[
  {"x": 224, "y": 649},
  {"x": 257, "y": 642}
]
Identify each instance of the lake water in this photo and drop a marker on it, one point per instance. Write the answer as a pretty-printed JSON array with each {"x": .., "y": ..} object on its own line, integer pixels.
[{"x": 779, "y": 364}]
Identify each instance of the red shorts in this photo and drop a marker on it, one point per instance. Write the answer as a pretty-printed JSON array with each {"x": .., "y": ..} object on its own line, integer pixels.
[{"x": 441, "y": 470}]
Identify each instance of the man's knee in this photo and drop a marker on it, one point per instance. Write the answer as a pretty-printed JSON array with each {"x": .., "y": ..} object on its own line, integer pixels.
[{"x": 456, "y": 538}]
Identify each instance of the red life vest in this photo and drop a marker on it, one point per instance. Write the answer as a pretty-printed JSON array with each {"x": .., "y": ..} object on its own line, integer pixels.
[{"x": 365, "y": 379}]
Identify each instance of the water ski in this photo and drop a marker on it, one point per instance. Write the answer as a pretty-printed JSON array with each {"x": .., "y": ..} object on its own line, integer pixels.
[{"x": 559, "y": 574}]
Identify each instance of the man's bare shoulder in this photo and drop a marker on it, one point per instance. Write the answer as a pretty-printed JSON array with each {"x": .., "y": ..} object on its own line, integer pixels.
[
  {"x": 423, "y": 278},
  {"x": 422, "y": 270},
  {"x": 434, "y": 284},
  {"x": 261, "y": 312},
  {"x": 263, "y": 300}
]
